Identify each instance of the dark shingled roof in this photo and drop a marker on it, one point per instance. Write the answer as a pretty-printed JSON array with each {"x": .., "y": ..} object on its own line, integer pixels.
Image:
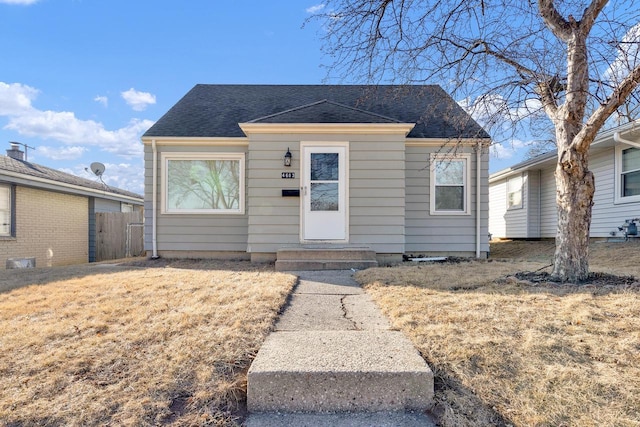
[
  {"x": 39, "y": 171},
  {"x": 216, "y": 110}
]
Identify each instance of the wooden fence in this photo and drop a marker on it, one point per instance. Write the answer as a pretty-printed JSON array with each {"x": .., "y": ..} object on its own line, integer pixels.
[{"x": 118, "y": 235}]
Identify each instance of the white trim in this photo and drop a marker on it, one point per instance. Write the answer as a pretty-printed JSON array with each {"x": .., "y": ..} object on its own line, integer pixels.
[
  {"x": 166, "y": 156},
  {"x": 618, "y": 198},
  {"x": 198, "y": 141},
  {"x": 466, "y": 180},
  {"x": 7, "y": 187},
  {"x": 320, "y": 144},
  {"x": 327, "y": 128}
]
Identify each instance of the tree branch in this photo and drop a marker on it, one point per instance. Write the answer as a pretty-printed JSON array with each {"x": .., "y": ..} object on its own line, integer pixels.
[{"x": 559, "y": 26}]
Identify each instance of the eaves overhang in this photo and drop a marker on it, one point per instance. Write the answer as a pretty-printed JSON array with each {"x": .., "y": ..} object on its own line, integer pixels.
[{"x": 49, "y": 184}]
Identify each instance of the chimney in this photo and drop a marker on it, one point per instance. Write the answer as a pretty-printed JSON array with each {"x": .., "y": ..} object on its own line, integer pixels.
[{"x": 15, "y": 152}]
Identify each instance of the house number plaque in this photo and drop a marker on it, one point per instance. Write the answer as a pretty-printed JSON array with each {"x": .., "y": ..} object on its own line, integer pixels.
[{"x": 288, "y": 175}]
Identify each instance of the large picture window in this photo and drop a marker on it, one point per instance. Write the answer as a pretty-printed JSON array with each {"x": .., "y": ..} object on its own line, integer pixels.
[
  {"x": 628, "y": 174},
  {"x": 6, "y": 217},
  {"x": 449, "y": 184},
  {"x": 204, "y": 183}
]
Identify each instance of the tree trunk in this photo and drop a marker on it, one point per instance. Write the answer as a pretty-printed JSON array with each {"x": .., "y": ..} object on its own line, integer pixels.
[{"x": 575, "y": 187}]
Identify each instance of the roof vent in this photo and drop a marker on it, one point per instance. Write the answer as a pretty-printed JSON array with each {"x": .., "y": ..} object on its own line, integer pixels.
[{"x": 15, "y": 152}]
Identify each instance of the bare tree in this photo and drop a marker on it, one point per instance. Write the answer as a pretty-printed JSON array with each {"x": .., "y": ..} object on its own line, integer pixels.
[{"x": 573, "y": 62}]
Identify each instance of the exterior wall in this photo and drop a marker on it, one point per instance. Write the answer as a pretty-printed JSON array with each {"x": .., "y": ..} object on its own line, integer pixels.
[
  {"x": 103, "y": 205},
  {"x": 376, "y": 191},
  {"x": 515, "y": 223},
  {"x": 196, "y": 233},
  {"x": 442, "y": 234},
  {"x": 548, "y": 212},
  {"x": 50, "y": 226},
  {"x": 608, "y": 215}
]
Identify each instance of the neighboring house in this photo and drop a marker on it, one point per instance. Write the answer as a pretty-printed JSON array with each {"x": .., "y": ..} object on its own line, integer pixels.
[
  {"x": 247, "y": 170},
  {"x": 522, "y": 198},
  {"x": 50, "y": 215}
]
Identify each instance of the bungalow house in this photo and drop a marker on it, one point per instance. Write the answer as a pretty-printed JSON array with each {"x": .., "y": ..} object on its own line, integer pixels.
[
  {"x": 522, "y": 198},
  {"x": 49, "y": 216},
  {"x": 264, "y": 171}
]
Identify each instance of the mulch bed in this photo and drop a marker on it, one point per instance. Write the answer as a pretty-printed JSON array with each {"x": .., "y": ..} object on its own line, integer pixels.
[{"x": 599, "y": 280}]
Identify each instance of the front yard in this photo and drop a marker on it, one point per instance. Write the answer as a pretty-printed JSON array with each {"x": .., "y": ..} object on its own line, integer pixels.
[
  {"x": 511, "y": 352},
  {"x": 147, "y": 344},
  {"x": 169, "y": 342}
]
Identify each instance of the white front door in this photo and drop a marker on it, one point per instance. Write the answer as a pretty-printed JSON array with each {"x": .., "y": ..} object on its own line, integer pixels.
[{"x": 324, "y": 192}]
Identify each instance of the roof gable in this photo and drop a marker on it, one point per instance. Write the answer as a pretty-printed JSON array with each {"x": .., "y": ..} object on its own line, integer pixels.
[
  {"x": 216, "y": 110},
  {"x": 325, "y": 111}
]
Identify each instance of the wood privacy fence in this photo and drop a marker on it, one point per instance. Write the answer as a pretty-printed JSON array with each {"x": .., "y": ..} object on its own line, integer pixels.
[{"x": 118, "y": 235}]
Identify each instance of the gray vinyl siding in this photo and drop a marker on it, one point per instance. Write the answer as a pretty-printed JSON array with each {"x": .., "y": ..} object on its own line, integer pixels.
[
  {"x": 515, "y": 223},
  {"x": 442, "y": 234},
  {"x": 92, "y": 229},
  {"x": 377, "y": 193},
  {"x": 375, "y": 188},
  {"x": 189, "y": 232}
]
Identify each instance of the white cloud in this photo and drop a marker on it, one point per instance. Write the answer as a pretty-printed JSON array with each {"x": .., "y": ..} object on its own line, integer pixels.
[
  {"x": 102, "y": 100},
  {"x": 507, "y": 150},
  {"x": 15, "y": 99},
  {"x": 64, "y": 126},
  {"x": 316, "y": 8},
  {"x": 20, "y": 2},
  {"x": 139, "y": 101},
  {"x": 628, "y": 57},
  {"x": 491, "y": 109},
  {"x": 122, "y": 175},
  {"x": 62, "y": 153}
]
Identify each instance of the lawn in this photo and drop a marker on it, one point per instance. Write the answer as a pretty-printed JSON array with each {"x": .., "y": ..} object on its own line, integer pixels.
[
  {"x": 512, "y": 352},
  {"x": 144, "y": 343},
  {"x": 169, "y": 342}
]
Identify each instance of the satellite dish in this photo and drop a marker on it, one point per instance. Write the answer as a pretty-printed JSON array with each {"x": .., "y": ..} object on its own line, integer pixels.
[{"x": 97, "y": 168}]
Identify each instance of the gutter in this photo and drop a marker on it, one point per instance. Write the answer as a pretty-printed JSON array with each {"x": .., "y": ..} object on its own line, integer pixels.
[
  {"x": 154, "y": 197},
  {"x": 617, "y": 138}
]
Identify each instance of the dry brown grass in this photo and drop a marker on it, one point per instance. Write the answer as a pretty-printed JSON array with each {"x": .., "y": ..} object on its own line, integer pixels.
[
  {"x": 507, "y": 352},
  {"x": 149, "y": 343}
]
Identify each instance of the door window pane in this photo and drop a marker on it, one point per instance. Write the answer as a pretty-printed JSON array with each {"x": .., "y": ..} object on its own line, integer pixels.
[
  {"x": 324, "y": 196},
  {"x": 324, "y": 166}
]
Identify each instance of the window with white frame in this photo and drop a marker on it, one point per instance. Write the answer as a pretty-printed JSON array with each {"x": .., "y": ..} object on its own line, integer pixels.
[
  {"x": 5, "y": 210},
  {"x": 628, "y": 174},
  {"x": 203, "y": 183},
  {"x": 514, "y": 192},
  {"x": 449, "y": 184}
]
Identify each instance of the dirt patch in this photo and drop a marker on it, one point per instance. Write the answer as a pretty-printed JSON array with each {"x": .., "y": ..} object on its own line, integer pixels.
[{"x": 600, "y": 280}]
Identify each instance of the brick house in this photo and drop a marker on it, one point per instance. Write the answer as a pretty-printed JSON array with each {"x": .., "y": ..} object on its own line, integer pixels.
[{"x": 50, "y": 215}]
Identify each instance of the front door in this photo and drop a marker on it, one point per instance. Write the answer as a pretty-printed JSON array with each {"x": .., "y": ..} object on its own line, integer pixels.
[{"x": 324, "y": 193}]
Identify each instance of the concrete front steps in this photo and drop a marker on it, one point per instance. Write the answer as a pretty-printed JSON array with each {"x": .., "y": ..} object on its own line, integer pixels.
[
  {"x": 339, "y": 371},
  {"x": 311, "y": 258}
]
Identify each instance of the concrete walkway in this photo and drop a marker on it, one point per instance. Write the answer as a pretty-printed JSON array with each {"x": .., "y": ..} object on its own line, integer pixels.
[{"x": 333, "y": 360}]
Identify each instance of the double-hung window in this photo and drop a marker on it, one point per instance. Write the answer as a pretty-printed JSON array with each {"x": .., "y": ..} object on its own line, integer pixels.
[
  {"x": 6, "y": 217},
  {"x": 203, "y": 183},
  {"x": 627, "y": 174},
  {"x": 514, "y": 192},
  {"x": 449, "y": 184}
]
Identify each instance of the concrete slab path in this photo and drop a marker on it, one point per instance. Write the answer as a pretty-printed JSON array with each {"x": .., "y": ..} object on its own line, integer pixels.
[{"x": 334, "y": 359}]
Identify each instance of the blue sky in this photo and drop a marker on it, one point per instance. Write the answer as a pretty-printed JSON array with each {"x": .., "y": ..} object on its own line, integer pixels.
[{"x": 82, "y": 80}]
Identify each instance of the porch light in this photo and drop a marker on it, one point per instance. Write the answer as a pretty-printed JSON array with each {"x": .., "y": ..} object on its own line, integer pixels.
[{"x": 287, "y": 158}]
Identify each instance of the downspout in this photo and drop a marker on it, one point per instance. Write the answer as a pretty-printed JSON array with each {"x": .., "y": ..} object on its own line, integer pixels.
[
  {"x": 478, "y": 191},
  {"x": 617, "y": 138},
  {"x": 154, "y": 197}
]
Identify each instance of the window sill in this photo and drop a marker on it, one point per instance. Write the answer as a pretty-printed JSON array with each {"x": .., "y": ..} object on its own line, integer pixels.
[{"x": 8, "y": 239}]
